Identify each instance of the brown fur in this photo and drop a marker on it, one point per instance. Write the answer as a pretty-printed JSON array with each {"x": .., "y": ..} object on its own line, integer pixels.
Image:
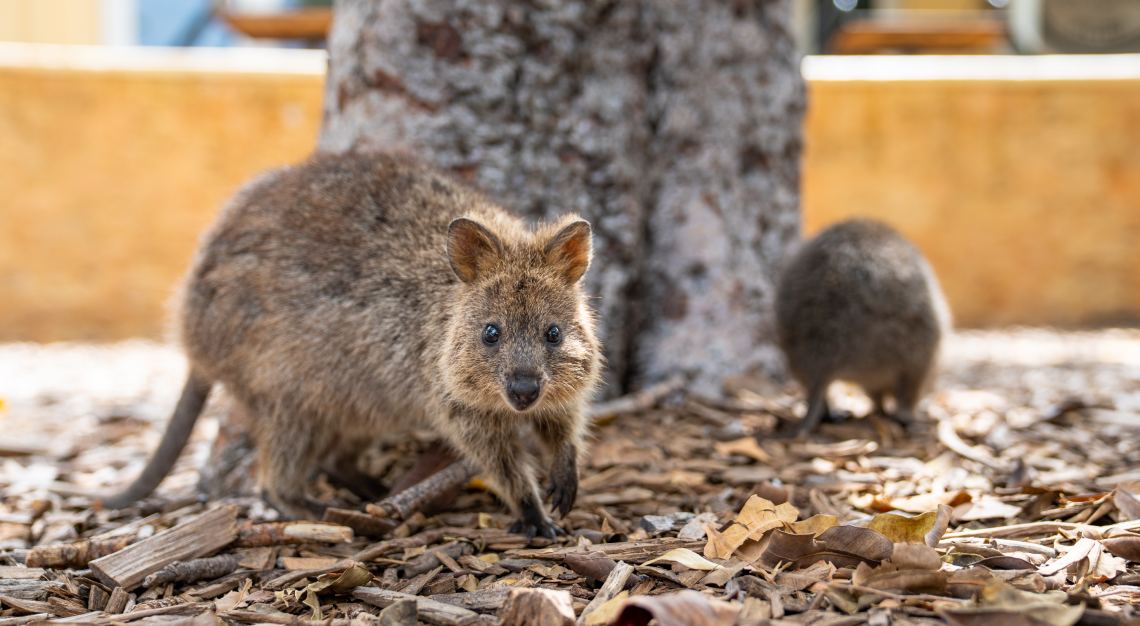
[
  {"x": 859, "y": 303},
  {"x": 347, "y": 295}
]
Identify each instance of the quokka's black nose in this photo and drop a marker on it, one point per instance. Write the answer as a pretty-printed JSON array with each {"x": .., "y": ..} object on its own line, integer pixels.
[{"x": 523, "y": 390}]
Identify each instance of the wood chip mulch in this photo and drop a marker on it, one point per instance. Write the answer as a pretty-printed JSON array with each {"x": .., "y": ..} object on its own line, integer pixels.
[{"x": 1017, "y": 502}]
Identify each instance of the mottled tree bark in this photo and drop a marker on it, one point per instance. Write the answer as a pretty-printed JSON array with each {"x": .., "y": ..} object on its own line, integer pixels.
[{"x": 673, "y": 126}]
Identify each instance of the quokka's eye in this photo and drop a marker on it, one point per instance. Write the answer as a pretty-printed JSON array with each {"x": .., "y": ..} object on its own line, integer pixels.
[
  {"x": 554, "y": 335},
  {"x": 491, "y": 334}
]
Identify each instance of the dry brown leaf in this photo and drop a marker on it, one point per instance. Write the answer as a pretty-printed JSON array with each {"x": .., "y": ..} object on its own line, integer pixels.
[
  {"x": 721, "y": 545},
  {"x": 987, "y": 508},
  {"x": 1005, "y": 562},
  {"x": 341, "y": 582},
  {"x": 608, "y": 611},
  {"x": 1077, "y": 553},
  {"x": 815, "y": 524},
  {"x": 719, "y": 577},
  {"x": 1125, "y": 547},
  {"x": 745, "y": 446},
  {"x": 915, "y": 556},
  {"x": 926, "y": 528},
  {"x": 686, "y": 557},
  {"x": 798, "y": 580},
  {"x": 757, "y": 517},
  {"x": 591, "y": 564},
  {"x": 844, "y": 546},
  {"x": 890, "y": 578},
  {"x": 1000, "y": 603},
  {"x": 1126, "y": 503},
  {"x": 1103, "y": 565},
  {"x": 684, "y": 608}
]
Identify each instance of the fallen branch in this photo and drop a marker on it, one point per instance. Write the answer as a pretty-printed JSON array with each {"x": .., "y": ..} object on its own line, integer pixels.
[
  {"x": 639, "y": 401},
  {"x": 77, "y": 554},
  {"x": 434, "y": 558},
  {"x": 363, "y": 524},
  {"x": 402, "y": 505},
  {"x": 193, "y": 570},
  {"x": 632, "y": 551},
  {"x": 430, "y": 611},
  {"x": 279, "y": 533}
]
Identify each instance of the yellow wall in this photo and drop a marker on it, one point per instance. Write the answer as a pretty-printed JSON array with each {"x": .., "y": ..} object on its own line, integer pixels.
[
  {"x": 107, "y": 177},
  {"x": 1025, "y": 195},
  {"x": 50, "y": 21}
]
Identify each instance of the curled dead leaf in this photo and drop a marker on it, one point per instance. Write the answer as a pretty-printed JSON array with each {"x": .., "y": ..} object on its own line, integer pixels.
[
  {"x": 1005, "y": 562},
  {"x": 1000, "y": 603},
  {"x": 890, "y": 578},
  {"x": 349, "y": 579},
  {"x": 745, "y": 446},
  {"x": 684, "y": 608},
  {"x": 1126, "y": 503},
  {"x": 814, "y": 525},
  {"x": 686, "y": 557},
  {"x": 756, "y": 517},
  {"x": 843, "y": 546},
  {"x": 1126, "y": 547},
  {"x": 608, "y": 611},
  {"x": 1079, "y": 552},
  {"x": 926, "y": 528},
  {"x": 915, "y": 556},
  {"x": 591, "y": 564}
]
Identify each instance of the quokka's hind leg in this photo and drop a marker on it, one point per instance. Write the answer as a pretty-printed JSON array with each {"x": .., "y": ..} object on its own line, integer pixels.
[
  {"x": 908, "y": 389},
  {"x": 343, "y": 470},
  {"x": 878, "y": 402},
  {"x": 817, "y": 408},
  {"x": 286, "y": 465}
]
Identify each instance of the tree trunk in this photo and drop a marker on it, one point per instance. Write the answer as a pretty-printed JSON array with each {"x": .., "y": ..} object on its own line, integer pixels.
[{"x": 674, "y": 127}]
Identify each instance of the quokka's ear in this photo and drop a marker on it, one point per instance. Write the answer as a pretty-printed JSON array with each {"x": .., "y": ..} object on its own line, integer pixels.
[
  {"x": 569, "y": 250},
  {"x": 471, "y": 249}
]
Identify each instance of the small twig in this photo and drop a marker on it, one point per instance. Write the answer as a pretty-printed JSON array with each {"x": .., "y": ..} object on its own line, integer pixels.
[
  {"x": 363, "y": 524},
  {"x": 949, "y": 438},
  {"x": 901, "y": 597},
  {"x": 395, "y": 545},
  {"x": 193, "y": 570},
  {"x": 293, "y": 532},
  {"x": 1033, "y": 528},
  {"x": 78, "y": 554},
  {"x": 430, "y": 560},
  {"x": 640, "y": 401},
  {"x": 402, "y": 505}
]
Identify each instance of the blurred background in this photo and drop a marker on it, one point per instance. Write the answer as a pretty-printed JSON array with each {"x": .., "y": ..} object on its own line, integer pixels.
[{"x": 1001, "y": 136}]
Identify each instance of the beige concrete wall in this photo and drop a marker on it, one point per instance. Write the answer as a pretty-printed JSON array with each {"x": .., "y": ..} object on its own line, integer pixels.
[
  {"x": 50, "y": 21},
  {"x": 107, "y": 177},
  {"x": 1025, "y": 194}
]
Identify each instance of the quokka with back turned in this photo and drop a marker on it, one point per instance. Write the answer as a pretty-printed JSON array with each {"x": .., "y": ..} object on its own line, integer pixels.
[
  {"x": 353, "y": 294},
  {"x": 860, "y": 303}
]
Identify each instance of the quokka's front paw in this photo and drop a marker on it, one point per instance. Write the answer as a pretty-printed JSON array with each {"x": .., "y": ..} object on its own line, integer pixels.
[
  {"x": 563, "y": 489},
  {"x": 541, "y": 528},
  {"x": 534, "y": 523}
]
